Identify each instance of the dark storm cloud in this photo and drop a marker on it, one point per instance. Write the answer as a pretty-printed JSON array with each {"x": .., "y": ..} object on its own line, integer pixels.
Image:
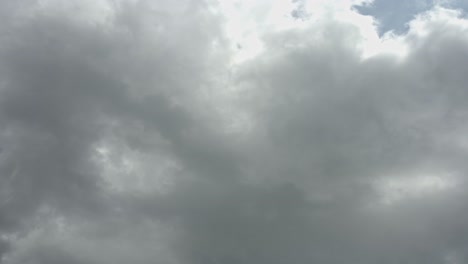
[
  {"x": 63, "y": 81},
  {"x": 333, "y": 125},
  {"x": 117, "y": 143}
]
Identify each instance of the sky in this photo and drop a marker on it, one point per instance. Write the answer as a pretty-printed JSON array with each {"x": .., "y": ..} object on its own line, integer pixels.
[{"x": 233, "y": 131}]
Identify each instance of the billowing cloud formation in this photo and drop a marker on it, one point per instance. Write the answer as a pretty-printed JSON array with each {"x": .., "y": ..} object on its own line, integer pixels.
[{"x": 230, "y": 132}]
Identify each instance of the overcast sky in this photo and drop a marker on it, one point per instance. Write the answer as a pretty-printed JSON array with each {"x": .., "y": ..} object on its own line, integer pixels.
[{"x": 233, "y": 132}]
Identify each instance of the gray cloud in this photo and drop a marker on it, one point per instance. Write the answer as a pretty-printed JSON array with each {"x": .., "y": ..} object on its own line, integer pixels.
[{"x": 127, "y": 136}]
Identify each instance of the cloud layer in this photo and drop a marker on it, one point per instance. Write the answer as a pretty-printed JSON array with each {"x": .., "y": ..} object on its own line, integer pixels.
[{"x": 230, "y": 132}]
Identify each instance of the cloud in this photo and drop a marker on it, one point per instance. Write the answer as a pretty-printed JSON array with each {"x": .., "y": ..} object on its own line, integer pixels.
[{"x": 234, "y": 132}]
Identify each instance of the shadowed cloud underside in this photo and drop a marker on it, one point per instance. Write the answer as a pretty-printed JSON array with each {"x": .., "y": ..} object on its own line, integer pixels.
[{"x": 206, "y": 132}]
